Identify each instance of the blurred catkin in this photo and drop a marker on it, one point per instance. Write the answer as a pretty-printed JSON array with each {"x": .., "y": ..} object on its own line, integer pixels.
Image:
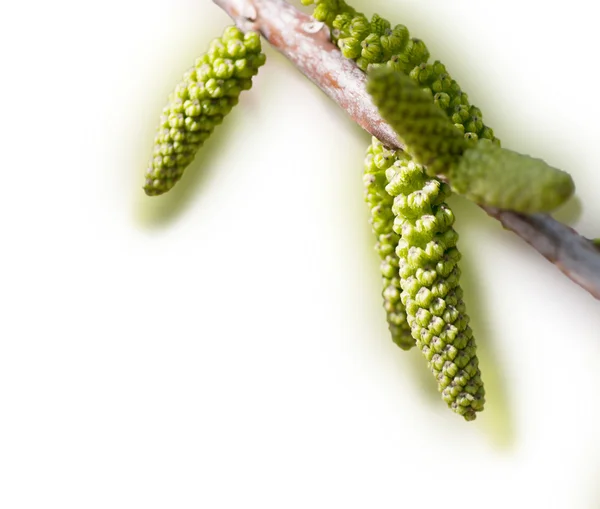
[
  {"x": 207, "y": 93},
  {"x": 498, "y": 177}
]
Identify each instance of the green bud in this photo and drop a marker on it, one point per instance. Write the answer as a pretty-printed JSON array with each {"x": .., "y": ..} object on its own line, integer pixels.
[
  {"x": 252, "y": 43},
  {"x": 340, "y": 28},
  {"x": 487, "y": 133},
  {"x": 396, "y": 64},
  {"x": 328, "y": 10},
  {"x": 360, "y": 26},
  {"x": 394, "y": 41},
  {"x": 350, "y": 47},
  {"x": 460, "y": 115},
  {"x": 421, "y": 74},
  {"x": 372, "y": 51},
  {"x": 416, "y": 52},
  {"x": 442, "y": 100},
  {"x": 379, "y": 26}
]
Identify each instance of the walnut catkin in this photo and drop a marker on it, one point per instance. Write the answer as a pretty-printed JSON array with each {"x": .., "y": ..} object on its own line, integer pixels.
[{"x": 207, "y": 93}]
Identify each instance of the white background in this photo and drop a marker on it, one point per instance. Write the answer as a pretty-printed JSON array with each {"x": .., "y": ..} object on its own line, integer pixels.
[{"x": 224, "y": 346}]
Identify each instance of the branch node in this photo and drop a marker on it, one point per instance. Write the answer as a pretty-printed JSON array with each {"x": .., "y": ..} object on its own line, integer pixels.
[
  {"x": 312, "y": 27},
  {"x": 249, "y": 13}
]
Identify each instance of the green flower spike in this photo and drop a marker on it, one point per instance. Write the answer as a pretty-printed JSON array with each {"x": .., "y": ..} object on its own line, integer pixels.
[
  {"x": 429, "y": 278},
  {"x": 425, "y": 129},
  {"x": 206, "y": 94},
  {"x": 427, "y": 254},
  {"x": 377, "y": 161},
  {"x": 501, "y": 178}
]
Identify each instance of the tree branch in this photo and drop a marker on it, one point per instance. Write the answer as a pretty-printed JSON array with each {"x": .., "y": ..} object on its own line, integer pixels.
[{"x": 306, "y": 44}]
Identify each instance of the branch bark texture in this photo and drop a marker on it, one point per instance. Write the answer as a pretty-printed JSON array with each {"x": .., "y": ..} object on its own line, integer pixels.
[{"x": 306, "y": 44}]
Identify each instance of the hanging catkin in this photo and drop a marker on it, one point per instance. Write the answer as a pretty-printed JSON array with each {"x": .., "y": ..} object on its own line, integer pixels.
[
  {"x": 198, "y": 104},
  {"x": 429, "y": 277}
]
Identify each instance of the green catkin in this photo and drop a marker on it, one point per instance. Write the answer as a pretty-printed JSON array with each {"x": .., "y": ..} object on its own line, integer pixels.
[
  {"x": 429, "y": 278},
  {"x": 502, "y": 178},
  {"x": 479, "y": 170},
  {"x": 198, "y": 104},
  {"x": 377, "y": 161}
]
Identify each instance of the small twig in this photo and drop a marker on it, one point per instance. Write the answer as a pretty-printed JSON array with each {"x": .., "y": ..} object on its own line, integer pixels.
[
  {"x": 306, "y": 44},
  {"x": 573, "y": 254}
]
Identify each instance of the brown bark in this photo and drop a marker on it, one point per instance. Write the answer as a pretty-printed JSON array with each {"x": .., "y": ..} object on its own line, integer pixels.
[{"x": 306, "y": 44}]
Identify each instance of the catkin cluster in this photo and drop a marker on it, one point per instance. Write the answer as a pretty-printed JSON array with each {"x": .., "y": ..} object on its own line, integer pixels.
[
  {"x": 429, "y": 278},
  {"x": 444, "y": 136},
  {"x": 207, "y": 93},
  {"x": 426, "y": 241}
]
